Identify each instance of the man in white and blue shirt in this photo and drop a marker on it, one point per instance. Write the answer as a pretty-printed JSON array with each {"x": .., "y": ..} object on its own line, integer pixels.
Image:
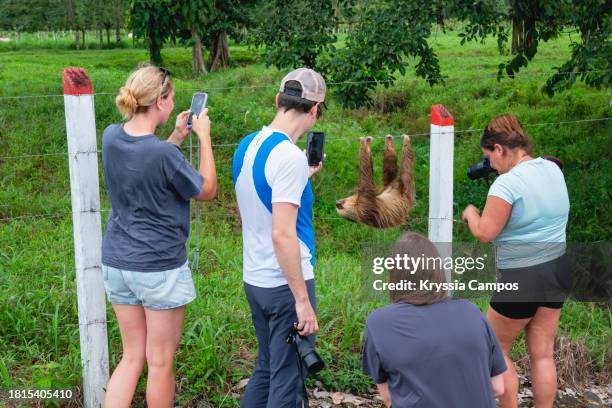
[{"x": 275, "y": 198}]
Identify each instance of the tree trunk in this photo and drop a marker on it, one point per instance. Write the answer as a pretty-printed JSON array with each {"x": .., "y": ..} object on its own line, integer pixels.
[
  {"x": 219, "y": 53},
  {"x": 197, "y": 61},
  {"x": 108, "y": 36},
  {"x": 155, "y": 53},
  {"x": 84, "y": 38},
  {"x": 118, "y": 35},
  {"x": 77, "y": 40},
  {"x": 585, "y": 33},
  {"x": 101, "y": 33},
  {"x": 518, "y": 34}
]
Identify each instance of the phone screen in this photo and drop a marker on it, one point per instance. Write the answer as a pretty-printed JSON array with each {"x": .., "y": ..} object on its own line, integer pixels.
[
  {"x": 198, "y": 103},
  {"x": 314, "y": 149}
]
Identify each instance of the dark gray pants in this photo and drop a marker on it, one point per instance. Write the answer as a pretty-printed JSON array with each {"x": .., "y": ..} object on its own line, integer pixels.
[{"x": 275, "y": 382}]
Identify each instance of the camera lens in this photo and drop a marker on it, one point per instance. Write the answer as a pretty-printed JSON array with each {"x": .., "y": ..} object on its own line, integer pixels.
[
  {"x": 313, "y": 362},
  {"x": 309, "y": 356},
  {"x": 481, "y": 169}
]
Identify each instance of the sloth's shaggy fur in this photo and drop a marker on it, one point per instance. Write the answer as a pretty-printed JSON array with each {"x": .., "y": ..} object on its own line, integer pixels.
[{"x": 390, "y": 207}]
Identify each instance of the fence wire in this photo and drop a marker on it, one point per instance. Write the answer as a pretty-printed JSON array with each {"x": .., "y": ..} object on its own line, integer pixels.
[{"x": 328, "y": 140}]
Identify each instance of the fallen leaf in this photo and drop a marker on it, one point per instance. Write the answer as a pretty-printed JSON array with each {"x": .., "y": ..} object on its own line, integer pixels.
[
  {"x": 337, "y": 398},
  {"x": 242, "y": 383}
]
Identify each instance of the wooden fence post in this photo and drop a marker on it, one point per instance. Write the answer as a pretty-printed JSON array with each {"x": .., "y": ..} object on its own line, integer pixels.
[
  {"x": 441, "y": 153},
  {"x": 85, "y": 197}
]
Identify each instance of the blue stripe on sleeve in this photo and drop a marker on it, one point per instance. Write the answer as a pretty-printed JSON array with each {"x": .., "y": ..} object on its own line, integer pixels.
[
  {"x": 239, "y": 155},
  {"x": 264, "y": 191}
]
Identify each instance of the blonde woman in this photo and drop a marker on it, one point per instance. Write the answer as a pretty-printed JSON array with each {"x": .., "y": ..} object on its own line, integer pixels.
[{"x": 144, "y": 256}]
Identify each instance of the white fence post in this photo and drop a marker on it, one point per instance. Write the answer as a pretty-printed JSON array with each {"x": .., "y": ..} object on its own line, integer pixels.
[
  {"x": 441, "y": 153},
  {"x": 85, "y": 197}
]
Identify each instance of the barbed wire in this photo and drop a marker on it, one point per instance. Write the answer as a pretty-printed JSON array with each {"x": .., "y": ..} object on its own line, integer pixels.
[
  {"x": 215, "y": 215},
  {"x": 336, "y": 83},
  {"x": 331, "y": 140},
  {"x": 50, "y": 95},
  {"x": 49, "y": 154}
]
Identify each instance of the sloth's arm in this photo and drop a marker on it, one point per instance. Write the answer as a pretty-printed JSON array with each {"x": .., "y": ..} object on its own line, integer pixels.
[
  {"x": 366, "y": 169},
  {"x": 389, "y": 162},
  {"x": 407, "y": 181}
]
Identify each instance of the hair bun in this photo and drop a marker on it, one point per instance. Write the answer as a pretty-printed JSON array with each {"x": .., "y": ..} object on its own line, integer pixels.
[{"x": 126, "y": 102}]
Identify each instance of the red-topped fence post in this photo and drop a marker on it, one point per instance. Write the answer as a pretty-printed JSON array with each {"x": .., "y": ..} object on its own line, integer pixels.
[
  {"x": 85, "y": 198},
  {"x": 441, "y": 153}
]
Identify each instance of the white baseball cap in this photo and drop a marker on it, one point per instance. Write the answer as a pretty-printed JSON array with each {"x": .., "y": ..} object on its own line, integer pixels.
[{"x": 313, "y": 84}]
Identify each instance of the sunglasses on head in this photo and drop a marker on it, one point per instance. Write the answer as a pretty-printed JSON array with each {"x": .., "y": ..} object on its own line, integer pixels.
[
  {"x": 166, "y": 73},
  {"x": 320, "y": 107}
]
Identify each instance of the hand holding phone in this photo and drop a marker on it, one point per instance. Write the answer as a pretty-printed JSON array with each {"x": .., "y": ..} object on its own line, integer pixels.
[
  {"x": 314, "y": 148},
  {"x": 198, "y": 103},
  {"x": 201, "y": 125}
]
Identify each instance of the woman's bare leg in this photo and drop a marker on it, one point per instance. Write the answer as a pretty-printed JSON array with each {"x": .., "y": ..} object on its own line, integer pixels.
[
  {"x": 122, "y": 384},
  {"x": 507, "y": 330},
  {"x": 540, "y": 334},
  {"x": 164, "y": 330}
]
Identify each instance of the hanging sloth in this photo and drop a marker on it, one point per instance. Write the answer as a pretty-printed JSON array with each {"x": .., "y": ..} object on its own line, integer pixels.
[{"x": 390, "y": 207}]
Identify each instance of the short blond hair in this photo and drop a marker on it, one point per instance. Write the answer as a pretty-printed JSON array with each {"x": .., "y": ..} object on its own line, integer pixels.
[{"x": 142, "y": 89}]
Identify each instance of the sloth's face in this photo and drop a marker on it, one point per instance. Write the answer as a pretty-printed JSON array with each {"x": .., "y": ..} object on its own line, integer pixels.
[{"x": 347, "y": 208}]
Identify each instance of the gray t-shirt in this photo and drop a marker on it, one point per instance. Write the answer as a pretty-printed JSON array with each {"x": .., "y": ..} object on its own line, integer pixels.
[
  {"x": 149, "y": 184},
  {"x": 433, "y": 356}
]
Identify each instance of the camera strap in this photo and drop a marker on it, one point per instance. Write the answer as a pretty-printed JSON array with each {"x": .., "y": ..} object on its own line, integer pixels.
[{"x": 302, "y": 394}]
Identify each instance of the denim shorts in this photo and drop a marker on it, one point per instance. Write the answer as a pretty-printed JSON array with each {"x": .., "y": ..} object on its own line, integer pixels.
[{"x": 153, "y": 290}]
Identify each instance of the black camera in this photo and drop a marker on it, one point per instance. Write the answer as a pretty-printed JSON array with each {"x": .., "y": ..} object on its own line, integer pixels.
[
  {"x": 305, "y": 351},
  {"x": 482, "y": 169}
]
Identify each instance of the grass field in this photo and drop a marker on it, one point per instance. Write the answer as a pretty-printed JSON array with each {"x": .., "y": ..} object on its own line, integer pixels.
[{"x": 39, "y": 339}]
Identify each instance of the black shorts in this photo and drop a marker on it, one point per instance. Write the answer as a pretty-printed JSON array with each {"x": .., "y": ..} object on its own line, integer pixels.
[{"x": 543, "y": 285}]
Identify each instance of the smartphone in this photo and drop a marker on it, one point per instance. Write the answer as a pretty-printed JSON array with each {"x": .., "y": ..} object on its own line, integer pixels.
[
  {"x": 314, "y": 148},
  {"x": 198, "y": 103}
]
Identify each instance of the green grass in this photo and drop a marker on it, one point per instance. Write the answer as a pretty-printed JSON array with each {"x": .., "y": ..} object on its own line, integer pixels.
[
  {"x": 39, "y": 340},
  {"x": 61, "y": 41}
]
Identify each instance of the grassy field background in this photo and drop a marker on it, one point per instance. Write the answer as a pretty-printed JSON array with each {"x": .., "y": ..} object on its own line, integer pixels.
[{"x": 39, "y": 339}]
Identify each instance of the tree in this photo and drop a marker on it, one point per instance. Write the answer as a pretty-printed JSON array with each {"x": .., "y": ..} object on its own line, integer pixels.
[
  {"x": 541, "y": 20},
  {"x": 156, "y": 21},
  {"x": 212, "y": 22},
  {"x": 113, "y": 15},
  {"x": 385, "y": 33},
  {"x": 297, "y": 32},
  {"x": 591, "y": 58},
  {"x": 29, "y": 15},
  {"x": 196, "y": 15},
  {"x": 74, "y": 17},
  {"x": 227, "y": 20}
]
